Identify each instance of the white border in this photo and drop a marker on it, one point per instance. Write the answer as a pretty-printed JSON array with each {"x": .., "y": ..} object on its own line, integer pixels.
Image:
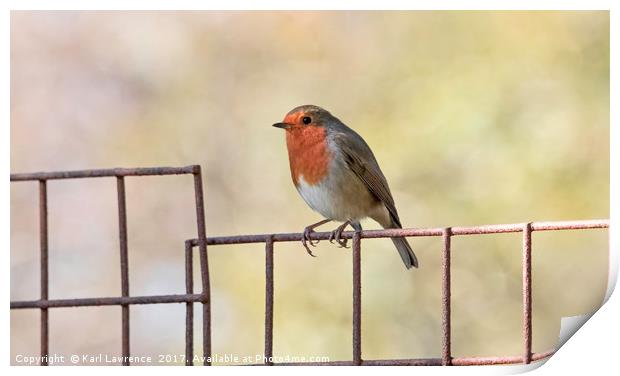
[{"x": 590, "y": 350}]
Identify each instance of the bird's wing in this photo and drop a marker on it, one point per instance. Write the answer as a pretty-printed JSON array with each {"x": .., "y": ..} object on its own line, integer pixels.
[{"x": 360, "y": 159}]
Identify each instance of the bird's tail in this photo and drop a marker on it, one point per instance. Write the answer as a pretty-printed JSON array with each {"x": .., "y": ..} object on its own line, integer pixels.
[
  {"x": 402, "y": 245},
  {"x": 406, "y": 253}
]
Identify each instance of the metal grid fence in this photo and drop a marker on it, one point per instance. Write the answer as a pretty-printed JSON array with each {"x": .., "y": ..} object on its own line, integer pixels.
[{"x": 189, "y": 298}]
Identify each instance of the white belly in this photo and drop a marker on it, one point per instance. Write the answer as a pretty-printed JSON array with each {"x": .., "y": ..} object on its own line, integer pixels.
[{"x": 340, "y": 197}]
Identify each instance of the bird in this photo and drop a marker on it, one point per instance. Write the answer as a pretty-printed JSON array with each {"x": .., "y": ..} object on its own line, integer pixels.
[{"x": 338, "y": 176}]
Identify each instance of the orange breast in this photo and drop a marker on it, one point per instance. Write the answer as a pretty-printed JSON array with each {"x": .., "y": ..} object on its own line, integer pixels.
[{"x": 308, "y": 154}]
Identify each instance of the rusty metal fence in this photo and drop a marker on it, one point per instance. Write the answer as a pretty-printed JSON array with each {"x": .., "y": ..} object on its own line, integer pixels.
[{"x": 201, "y": 241}]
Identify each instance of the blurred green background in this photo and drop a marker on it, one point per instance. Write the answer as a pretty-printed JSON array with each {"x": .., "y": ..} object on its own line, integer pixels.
[{"x": 475, "y": 118}]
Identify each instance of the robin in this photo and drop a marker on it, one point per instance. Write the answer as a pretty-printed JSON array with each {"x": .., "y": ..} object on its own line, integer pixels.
[{"x": 337, "y": 175}]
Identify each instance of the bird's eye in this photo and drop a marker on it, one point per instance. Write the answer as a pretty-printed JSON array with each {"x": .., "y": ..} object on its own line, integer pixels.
[{"x": 306, "y": 120}]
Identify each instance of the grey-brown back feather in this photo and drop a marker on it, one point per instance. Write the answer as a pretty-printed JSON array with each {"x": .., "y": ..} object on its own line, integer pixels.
[{"x": 362, "y": 162}]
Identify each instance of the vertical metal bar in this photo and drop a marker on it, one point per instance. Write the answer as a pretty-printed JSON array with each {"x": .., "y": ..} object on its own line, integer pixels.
[
  {"x": 44, "y": 269},
  {"x": 446, "y": 358},
  {"x": 527, "y": 293},
  {"x": 269, "y": 301},
  {"x": 189, "y": 306},
  {"x": 204, "y": 267},
  {"x": 357, "y": 300},
  {"x": 122, "y": 234}
]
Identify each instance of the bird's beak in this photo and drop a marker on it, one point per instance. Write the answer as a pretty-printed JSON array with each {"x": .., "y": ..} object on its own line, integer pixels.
[{"x": 282, "y": 125}]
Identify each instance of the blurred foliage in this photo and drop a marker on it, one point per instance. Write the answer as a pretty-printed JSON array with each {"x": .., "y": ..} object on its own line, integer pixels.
[{"x": 475, "y": 118}]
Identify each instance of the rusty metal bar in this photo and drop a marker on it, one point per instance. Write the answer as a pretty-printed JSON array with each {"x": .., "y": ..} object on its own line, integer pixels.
[
  {"x": 446, "y": 359},
  {"x": 357, "y": 299},
  {"x": 268, "y": 301},
  {"x": 475, "y": 361},
  {"x": 378, "y": 362},
  {"x": 107, "y": 301},
  {"x": 370, "y": 234},
  {"x": 499, "y": 360},
  {"x": 204, "y": 267},
  {"x": 44, "y": 266},
  {"x": 189, "y": 306},
  {"x": 122, "y": 235},
  {"x": 330, "y": 363},
  {"x": 527, "y": 293},
  {"x": 79, "y": 174},
  {"x": 570, "y": 225}
]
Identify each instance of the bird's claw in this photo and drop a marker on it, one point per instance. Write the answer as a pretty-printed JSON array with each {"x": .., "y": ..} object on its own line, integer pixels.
[
  {"x": 336, "y": 235},
  {"x": 305, "y": 239}
]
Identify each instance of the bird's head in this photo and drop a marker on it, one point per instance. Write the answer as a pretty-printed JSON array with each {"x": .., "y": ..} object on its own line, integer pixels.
[{"x": 303, "y": 117}]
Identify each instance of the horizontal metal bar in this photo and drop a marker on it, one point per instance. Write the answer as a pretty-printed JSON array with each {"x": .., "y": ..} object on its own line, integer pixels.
[
  {"x": 120, "y": 300},
  {"x": 475, "y": 361},
  {"x": 570, "y": 225},
  {"x": 330, "y": 363},
  {"x": 476, "y": 230},
  {"x": 500, "y": 359},
  {"x": 79, "y": 174}
]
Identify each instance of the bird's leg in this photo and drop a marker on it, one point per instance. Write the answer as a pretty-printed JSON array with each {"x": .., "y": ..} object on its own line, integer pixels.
[
  {"x": 305, "y": 238},
  {"x": 357, "y": 226},
  {"x": 337, "y": 233}
]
